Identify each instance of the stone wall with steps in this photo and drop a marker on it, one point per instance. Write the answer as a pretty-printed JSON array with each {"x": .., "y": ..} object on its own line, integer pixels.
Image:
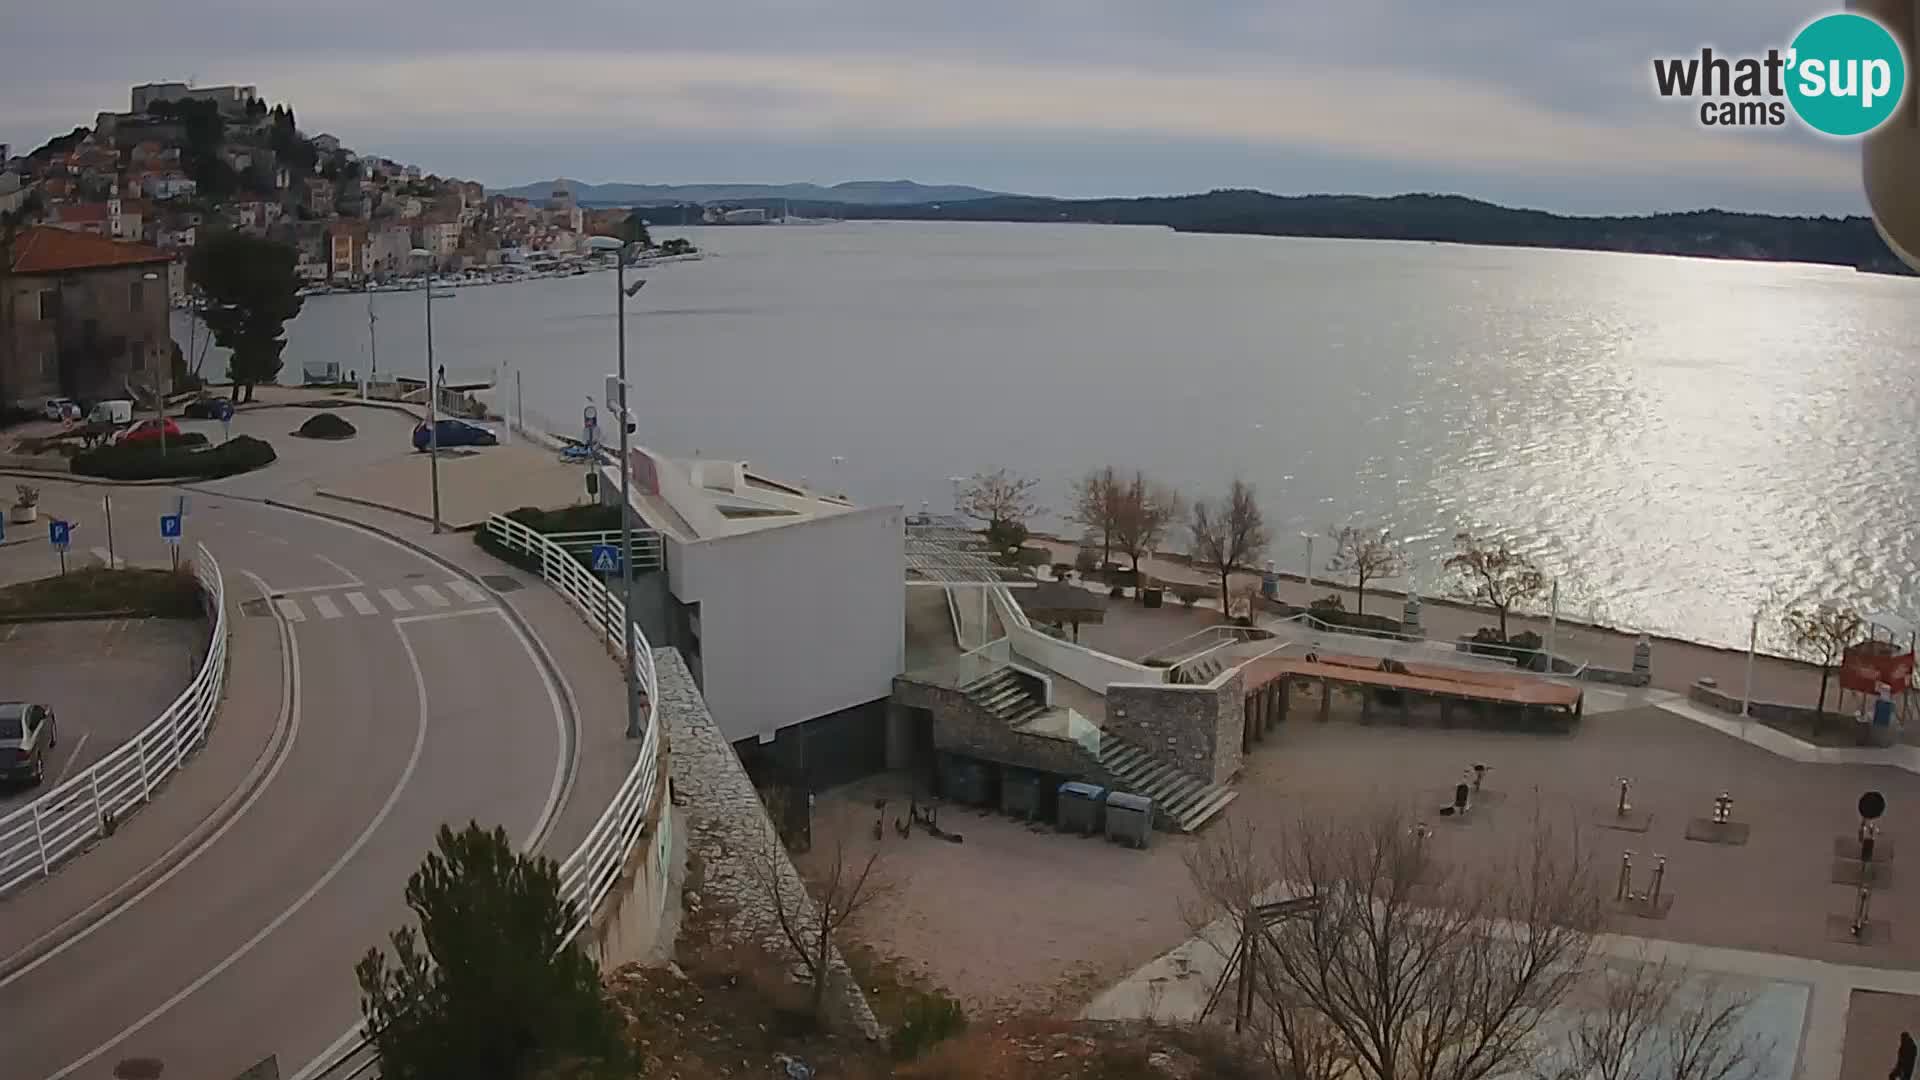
[{"x": 1197, "y": 728}]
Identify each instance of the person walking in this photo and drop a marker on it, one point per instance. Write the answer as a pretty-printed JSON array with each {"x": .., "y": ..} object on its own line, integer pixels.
[{"x": 1903, "y": 1065}]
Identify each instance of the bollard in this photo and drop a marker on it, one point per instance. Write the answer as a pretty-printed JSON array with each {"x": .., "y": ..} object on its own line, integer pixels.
[
  {"x": 1625, "y": 890},
  {"x": 1623, "y": 806},
  {"x": 1659, "y": 874},
  {"x": 1860, "y": 910},
  {"x": 1867, "y": 832}
]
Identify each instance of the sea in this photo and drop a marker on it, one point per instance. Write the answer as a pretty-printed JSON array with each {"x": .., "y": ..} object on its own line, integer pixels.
[{"x": 1681, "y": 443}]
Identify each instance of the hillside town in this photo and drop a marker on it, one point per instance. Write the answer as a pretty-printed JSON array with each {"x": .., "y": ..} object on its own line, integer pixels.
[{"x": 182, "y": 160}]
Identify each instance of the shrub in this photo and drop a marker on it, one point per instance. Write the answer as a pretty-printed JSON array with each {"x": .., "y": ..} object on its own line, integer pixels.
[
  {"x": 1086, "y": 560},
  {"x": 326, "y": 425},
  {"x": 165, "y": 594},
  {"x": 1063, "y": 571},
  {"x": 242, "y": 453},
  {"x": 1190, "y": 594},
  {"x": 927, "y": 1019},
  {"x": 592, "y": 517},
  {"x": 1329, "y": 602}
]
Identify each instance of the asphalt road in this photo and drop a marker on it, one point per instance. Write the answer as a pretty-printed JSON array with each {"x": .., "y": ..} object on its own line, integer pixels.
[{"x": 414, "y": 702}]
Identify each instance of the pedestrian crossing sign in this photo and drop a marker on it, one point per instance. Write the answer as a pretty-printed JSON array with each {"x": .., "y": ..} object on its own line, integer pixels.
[{"x": 606, "y": 559}]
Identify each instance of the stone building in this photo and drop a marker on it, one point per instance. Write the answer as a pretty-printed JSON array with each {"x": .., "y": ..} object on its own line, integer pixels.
[{"x": 82, "y": 316}]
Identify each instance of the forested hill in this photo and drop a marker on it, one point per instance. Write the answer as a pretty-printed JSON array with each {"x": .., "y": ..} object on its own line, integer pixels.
[{"x": 1849, "y": 241}]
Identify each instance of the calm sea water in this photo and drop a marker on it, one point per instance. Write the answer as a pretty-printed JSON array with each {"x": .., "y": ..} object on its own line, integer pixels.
[{"x": 1677, "y": 440}]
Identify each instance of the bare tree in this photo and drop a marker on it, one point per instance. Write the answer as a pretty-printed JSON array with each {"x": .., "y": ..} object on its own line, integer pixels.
[
  {"x": 1492, "y": 574},
  {"x": 1822, "y": 634},
  {"x": 1228, "y": 534},
  {"x": 848, "y": 881},
  {"x": 1004, "y": 500},
  {"x": 1145, "y": 510},
  {"x": 1367, "y": 554},
  {"x": 1642, "y": 1019},
  {"x": 1094, "y": 504},
  {"x": 1411, "y": 969}
]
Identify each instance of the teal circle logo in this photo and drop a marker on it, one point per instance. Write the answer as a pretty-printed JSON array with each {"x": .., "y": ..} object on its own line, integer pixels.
[{"x": 1847, "y": 74}]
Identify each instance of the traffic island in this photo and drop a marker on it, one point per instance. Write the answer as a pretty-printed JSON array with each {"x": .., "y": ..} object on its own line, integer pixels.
[{"x": 325, "y": 426}]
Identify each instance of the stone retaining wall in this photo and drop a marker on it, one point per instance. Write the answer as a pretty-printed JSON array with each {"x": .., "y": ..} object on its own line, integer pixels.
[
  {"x": 1198, "y": 728},
  {"x": 726, "y": 825}
]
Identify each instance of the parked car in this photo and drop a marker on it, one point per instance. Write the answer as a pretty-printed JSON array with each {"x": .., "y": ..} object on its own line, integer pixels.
[
  {"x": 150, "y": 430},
  {"x": 60, "y": 408},
  {"x": 453, "y": 433},
  {"x": 208, "y": 408},
  {"x": 118, "y": 411},
  {"x": 27, "y": 735}
]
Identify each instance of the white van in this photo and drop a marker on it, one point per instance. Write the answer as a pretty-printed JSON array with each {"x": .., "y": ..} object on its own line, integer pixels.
[{"x": 112, "y": 412}]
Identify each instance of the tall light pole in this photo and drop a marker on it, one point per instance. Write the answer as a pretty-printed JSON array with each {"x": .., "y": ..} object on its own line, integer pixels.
[
  {"x": 433, "y": 394},
  {"x": 620, "y": 296},
  {"x": 1308, "y": 537}
]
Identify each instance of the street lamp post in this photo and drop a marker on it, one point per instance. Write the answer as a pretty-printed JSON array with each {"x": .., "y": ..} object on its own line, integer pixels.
[
  {"x": 433, "y": 395},
  {"x": 620, "y": 296},
  {"x": 1308, "y": 537}
]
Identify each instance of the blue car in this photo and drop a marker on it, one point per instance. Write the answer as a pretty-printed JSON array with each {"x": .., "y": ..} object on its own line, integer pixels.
[{"x": 453, "y": 433}]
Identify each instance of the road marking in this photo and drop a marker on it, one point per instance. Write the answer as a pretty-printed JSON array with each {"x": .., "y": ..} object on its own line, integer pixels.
[
  {"x": 344, "y": 572},
  {"x": 72, "y": 756},
  {"x": 324, "y": 604},
  {"x": 289, "y": 718},
  {"x": 264, "y": 536},
  {"x": 379, "y": 819},
  {"x": 396, "y": 600},
  {"x": 432, "y": 596},
  {"x": 290, "y": 609},
  {"x": 465, "y": 591},
  {"x": 362, "y": 605}
]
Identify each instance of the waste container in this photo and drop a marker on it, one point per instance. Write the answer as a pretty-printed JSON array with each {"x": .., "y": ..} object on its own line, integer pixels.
[
  {"x": 1020, "y": 793},
  {"x": 1080, "y": 807},
  {"x": 964, "y": 780},
  {"x": 1129, "y": 818}
]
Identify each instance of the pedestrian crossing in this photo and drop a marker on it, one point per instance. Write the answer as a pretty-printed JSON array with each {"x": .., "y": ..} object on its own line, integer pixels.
[{"x": 326, "y": 606}]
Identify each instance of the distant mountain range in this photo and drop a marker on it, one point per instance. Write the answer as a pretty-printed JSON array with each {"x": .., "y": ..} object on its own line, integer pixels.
[{"x": 851, "y": 193}]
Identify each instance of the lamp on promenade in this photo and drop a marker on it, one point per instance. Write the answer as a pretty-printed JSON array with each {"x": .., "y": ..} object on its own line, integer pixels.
[
  {"x": 621, "y": 294},
  {"x": 433, "y": 393},
  {"x": 1308, "y": 537}
]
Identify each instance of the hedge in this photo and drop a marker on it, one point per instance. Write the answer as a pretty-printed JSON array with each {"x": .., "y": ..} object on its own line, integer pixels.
[
  {"x": 165, "y": 594},
  {"x": 326, "y": 426},
  {"x": 592, "y": 517},
  {"x": 237, "y": 455}
]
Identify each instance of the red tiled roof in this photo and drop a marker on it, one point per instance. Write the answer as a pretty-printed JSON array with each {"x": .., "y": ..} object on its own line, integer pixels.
[
  {"x": 44, "y": 249},
  {"x": 82, "y": 212}
]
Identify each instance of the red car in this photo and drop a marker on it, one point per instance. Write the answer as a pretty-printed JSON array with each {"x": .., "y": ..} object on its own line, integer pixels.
[{"x": 149, "y": 431}]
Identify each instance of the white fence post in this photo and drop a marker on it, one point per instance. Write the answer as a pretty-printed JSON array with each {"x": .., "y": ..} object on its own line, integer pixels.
[
  {"x": 140, "y": 755},
  {"x": 40, "y": 840},
  {"x": 99, "y": 809}
]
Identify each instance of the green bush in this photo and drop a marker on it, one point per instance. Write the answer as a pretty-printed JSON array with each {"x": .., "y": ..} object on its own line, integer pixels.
[
  {"x": 326, "y": 426},
  {"x": 927, "y": 1019},
  {"x": 164, "y": 594},
  {"x": 1190, "y": 594},
  {"x": 242, "y": 453},
  {"x": 592, "y": 517},
  {"x": 1086, "y": 560}
]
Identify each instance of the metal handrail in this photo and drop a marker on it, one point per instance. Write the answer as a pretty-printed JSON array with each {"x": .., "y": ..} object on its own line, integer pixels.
[
  {"x": 91, "y": 804},
  {"x": 593, "y": 869},
  {"x": 647, "y": 545}
]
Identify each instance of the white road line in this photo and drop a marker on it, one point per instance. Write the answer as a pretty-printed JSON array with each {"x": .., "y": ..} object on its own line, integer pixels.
[
  {"x": 362, "y": 605},
  {"x": 344, "y": 572},
  {"x": 442, "y": 616},
  {"x": 379, "y": 819},
  {"x": 72, "y": 756},
  {"x": 289, "y": 718},
  {"x": 396, "y": 599},
  {"x": 326, "y": 607},
  {"x": 290, "y": 609},
  {"x": 465, "y": 591},
  {"x": 432, "y": 596}
]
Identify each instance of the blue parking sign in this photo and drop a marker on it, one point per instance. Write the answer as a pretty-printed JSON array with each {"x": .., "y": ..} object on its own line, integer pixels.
[
  {"x": 606, "y": 559},
  {"x": 59, "y": 533},
  {"x": 170, "y": 528}
]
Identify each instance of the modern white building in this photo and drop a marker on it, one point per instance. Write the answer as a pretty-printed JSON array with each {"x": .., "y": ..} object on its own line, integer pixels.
[{"x": 788, "y": 604}]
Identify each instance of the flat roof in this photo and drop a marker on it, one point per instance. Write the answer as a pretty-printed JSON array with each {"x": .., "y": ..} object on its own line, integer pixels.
[
  {"x": 696, "y": 499},
  {"x": 1436, "y": 679}
]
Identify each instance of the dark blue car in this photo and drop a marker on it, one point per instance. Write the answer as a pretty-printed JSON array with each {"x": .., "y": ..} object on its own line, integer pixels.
[{"x": 453, "y": 433}]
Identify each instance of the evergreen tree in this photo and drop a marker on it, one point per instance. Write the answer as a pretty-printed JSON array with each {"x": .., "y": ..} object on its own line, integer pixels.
[{"x": 251, "y": 290}]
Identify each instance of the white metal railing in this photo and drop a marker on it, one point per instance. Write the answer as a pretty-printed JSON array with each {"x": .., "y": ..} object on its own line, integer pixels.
[
  {"x": 91, "y": 804},
  {"x": 646, "y": 545},
  {"x": 589, "y": 874}
]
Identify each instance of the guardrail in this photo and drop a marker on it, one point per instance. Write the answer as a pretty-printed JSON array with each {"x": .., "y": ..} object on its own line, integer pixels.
[
  {"x": 590, "y": 873},
  {"x": 36, "y": 837},
  {"x": 647, "y": 550}
]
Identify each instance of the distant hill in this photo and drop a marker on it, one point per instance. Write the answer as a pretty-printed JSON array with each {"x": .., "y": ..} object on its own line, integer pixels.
[
  {"x": 853, "y": 193},
  {"x": 1849, "y": 241}
]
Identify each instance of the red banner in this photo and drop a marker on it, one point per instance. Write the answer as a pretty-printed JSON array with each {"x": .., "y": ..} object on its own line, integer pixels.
[{"x": 1872, "y": 664}]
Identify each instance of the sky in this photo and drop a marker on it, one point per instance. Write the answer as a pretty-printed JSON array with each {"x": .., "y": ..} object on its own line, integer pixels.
[{"x": 1546, "y": 105}]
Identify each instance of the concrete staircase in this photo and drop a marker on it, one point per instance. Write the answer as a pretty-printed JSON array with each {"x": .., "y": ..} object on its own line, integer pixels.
[
  {"x": 1007, "y": 694},
  {"x": 1201, "y": 671},
  {"x": 1178, "y": 797}
]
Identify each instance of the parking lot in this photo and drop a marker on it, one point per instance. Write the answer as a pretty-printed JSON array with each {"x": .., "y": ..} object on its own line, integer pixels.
[{"x": 104, "y": 679}]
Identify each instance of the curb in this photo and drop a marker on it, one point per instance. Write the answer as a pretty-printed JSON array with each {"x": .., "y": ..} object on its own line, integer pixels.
[
  {"x": 91, "y": 915},
  {"x": 371, "y": 505}
]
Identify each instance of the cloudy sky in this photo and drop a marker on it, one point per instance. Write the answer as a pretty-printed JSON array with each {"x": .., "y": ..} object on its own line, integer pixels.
[{"x": 1539, "y": 104}]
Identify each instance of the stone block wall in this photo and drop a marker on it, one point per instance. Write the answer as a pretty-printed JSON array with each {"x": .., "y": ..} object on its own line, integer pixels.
[
  {"x": 1197, "y": 728},
  {"x": 961, "y": 727},
  {"x": 1715, "y": 698},
  {"x": 726, "y": 823}
]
